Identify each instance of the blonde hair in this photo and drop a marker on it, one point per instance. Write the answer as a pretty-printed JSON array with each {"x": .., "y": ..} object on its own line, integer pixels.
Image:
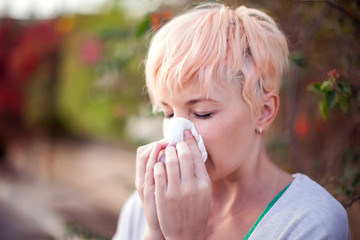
[{"x": 214, "y": 44}]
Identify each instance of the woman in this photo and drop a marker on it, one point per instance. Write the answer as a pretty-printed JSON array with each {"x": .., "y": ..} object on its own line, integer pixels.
[{"x": 221, "y": 69}]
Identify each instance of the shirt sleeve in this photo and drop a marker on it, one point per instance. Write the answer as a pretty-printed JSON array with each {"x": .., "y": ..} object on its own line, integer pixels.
[
  {"x": 321, "y": 223},
  {"x": 132, "y": 221},
  {"x": 305, "y": 211}
]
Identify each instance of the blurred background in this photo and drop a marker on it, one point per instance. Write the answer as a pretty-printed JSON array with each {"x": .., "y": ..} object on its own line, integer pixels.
[{"x": 73, "y": 107}]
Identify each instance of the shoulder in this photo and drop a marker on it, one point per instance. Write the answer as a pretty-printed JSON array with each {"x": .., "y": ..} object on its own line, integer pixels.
[
  {"x": 307, "y": 211},
  {"x": 312, "y": 199},
  {"x": 132, "y": 221}
]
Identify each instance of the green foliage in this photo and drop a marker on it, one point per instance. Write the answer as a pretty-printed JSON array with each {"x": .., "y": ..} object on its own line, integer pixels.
[
  {"x": 143, "y": 26},
  {"x": 335, "y": 92},
  {"x": 349, "y": 182},
  {"x": 96, "y": 97},
  {"x": 299, "y": 59}
]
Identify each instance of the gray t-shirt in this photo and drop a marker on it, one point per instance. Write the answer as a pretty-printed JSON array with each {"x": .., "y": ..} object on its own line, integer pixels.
[{"x": 304, "y": 211}]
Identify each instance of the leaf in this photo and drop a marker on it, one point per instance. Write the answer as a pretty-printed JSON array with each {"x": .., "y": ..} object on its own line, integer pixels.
[
  {"x": 343, "y": 102},
  {"x": 336, "y": 93},
  {"x": 344, "y": 87},
  {"x": 326, "y": 85},
  {"x": 323, "y": 109},
  {"x": 316, "y": 87},
  {"x": 356, "y": 180},
  {"x": 330, "y": 98},
  {"x": 299, "y": 59},
  {"x": 143, "y": 26}
]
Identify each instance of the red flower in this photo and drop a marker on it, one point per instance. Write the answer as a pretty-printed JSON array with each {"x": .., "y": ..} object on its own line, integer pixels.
[
  {"x": 26, "y": 49},
  {"x": 157, "y": 19},
  {"x": 91, "y": 51},
  {"x": 301, "y": 127},
  {"x": 334, "y": 74}
]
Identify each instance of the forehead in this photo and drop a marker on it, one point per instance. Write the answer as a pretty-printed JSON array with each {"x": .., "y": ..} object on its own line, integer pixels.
[{"x": 217, "y": 93}]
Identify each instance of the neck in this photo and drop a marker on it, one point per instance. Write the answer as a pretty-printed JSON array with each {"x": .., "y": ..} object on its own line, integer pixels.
[{"x": 258, "y": 181}]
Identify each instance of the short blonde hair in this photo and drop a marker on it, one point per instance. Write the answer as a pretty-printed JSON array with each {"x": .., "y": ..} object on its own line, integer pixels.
[{"x": 214, "y": 44}]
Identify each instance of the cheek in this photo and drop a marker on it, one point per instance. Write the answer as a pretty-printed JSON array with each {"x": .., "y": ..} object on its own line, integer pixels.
[
  {"x": 213, "y": 133},
  {"x": 226, "y": 138}
]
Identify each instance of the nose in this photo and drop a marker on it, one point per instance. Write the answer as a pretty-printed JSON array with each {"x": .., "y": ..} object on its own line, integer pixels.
[{"x": 181, "y": 113}]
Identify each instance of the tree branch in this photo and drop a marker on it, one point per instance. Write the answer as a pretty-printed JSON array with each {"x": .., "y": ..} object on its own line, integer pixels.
[
  {"x": 351, "y": 202},
  {"x": 354, "y": 17}
]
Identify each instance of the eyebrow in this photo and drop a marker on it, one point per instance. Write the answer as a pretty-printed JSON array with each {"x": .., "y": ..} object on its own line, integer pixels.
[{"x": 193, "y": 101}]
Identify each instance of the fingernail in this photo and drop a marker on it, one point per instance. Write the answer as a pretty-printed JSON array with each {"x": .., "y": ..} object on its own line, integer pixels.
[
  {"x": 187, "y": 133},
  {"x": 162, "y": 156}
]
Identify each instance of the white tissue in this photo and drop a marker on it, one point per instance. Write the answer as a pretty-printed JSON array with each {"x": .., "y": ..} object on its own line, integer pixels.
[{"x": 175, "y": 133}]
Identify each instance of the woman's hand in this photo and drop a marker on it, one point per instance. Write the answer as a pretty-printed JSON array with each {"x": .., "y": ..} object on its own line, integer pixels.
[
  {"x": 182, "y": 191},
  {"x": 144, "y": 181}
]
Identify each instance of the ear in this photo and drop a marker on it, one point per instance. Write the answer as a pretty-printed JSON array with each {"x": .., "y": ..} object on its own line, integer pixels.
[{"x": 270, "y": 108}]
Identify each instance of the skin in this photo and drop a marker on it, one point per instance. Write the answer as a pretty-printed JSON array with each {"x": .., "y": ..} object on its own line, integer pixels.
[{"x": 223, "y": 197}]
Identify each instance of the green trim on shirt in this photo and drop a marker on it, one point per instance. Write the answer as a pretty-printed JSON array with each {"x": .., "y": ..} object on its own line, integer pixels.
[{"x": 269, "y": 206}]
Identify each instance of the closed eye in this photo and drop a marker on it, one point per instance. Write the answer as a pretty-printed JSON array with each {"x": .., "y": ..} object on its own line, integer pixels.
[
  {"x": 200, "y": 116},
  {"x": 169, "y": 115},
  {"x": 203, "y": 116}
]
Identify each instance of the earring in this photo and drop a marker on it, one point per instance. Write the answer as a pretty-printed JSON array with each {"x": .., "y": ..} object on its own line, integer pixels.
[{"x": 258, "y": 130}]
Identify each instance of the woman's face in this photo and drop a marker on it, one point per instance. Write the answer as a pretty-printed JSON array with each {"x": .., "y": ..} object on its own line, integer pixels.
[{"x": 224, "y": 122}]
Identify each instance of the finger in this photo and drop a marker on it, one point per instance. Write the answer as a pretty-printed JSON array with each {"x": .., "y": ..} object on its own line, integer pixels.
[
  {"x": 149, "y": 188},
  {"x": 172, "y": 168},
  {"x": 199, "y": 166},
  {"x": 200, "y": 171},
  {"x": 160, "y": 186},
  {"x": 149, "y": 184},
  {"x": 149, "y": 170},
  {"x": 160, "y": 179},
  {"x": 154, "y": 155},
  {"x": 186, "y": 162},
  {"x": 193, "y": 146},
  {"x": 149, "y": 201},
  {"x": 142, "y": 161},
  {"x": 149, "y": 181},
  {"x": 145, "y": 173},
  {"x": 142, "y": 155}
]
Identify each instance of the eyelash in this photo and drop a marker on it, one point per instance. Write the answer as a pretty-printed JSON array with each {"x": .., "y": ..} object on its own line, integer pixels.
[
  {"x": 169, "y": 116},
  {"x": 201, "y": 116},
  {"x": 204, "y": 116}
]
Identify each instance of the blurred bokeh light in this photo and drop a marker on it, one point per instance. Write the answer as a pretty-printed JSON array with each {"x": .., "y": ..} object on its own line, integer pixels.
[{"x": 40, "y": 9}]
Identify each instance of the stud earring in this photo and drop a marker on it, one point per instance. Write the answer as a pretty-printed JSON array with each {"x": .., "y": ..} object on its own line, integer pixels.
[{"x": 258, "y": 130}]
